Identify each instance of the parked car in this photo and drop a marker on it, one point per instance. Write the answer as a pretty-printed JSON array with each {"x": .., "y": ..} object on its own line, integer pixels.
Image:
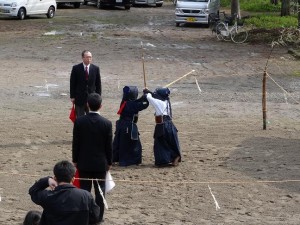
[
  {"x": 157, "y": 3},
  {"x": 102, "y": 3},
  {"x": 24, "y": 8},
  {"x": 195, "y": 11},
  {"x": 76, "y": 3}
]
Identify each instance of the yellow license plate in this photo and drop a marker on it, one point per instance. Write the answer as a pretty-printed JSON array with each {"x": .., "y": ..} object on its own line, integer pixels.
[{"x": 191, "y": 19}]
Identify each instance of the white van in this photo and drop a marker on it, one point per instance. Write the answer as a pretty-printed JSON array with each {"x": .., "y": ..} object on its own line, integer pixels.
[
  {"x": 23, "y": 8},
  {"x": 195, "y": 11}
]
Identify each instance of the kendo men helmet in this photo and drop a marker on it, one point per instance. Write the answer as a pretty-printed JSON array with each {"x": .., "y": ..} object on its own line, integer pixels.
[
  {"x": 130, "y": 93},
  {"x": 162, "y": 93}
]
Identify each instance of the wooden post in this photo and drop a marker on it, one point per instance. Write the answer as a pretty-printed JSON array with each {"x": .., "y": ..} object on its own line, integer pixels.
[
  {"x": 264, "y": 91},
  {"x": 264, "y": 101},
  {"x": 145, "y": 85}
]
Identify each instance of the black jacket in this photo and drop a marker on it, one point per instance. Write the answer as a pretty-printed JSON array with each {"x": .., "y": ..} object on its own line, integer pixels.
[
  {"x": 65, "y": 205},
  {"x": 92, "y": 143},
  {"x": 79, "y": 87}
]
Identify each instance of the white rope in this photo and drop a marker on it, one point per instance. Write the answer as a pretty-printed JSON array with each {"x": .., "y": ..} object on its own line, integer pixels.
[
  {"x": 216, "y": 203},
  {"x": 198, "y": 85},
  {"x": 284, "y": 91},
  {"x": 101, "y": 193}
]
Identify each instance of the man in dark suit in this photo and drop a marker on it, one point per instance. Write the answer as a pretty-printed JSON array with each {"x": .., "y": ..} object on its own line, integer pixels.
[
  {"x": 62, "y": 202},
  {"x": 85, "y": 79},
  {"x": 92, "y": 148}
]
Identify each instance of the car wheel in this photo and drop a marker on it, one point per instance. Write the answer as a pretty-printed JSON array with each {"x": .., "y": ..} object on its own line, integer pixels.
[
  {"x": 159, "y": 5},
  {"x": 51, "y": 12},
  {"x": 127, "y": 7},
  {"x": 22, "y": 14},
  {"x": 177, "y": 24},
  {"x": 76, "y": 5},
  {"x": 85, "y": 3}
]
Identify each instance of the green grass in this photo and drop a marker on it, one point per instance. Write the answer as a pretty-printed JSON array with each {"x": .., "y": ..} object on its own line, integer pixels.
[
  {"x": 254, "y": 5},
  {"x": 272, "y": 21},
  {"x": 263, "y": 14}
]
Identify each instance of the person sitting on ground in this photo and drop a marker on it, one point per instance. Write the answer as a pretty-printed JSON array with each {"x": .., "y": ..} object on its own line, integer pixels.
[
  {"x": 63, "y": 203},
  {"x": 32, "y": 218}
]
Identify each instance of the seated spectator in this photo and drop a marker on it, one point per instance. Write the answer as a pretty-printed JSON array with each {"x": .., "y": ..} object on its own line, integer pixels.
[{"x": 62, "y": 202}]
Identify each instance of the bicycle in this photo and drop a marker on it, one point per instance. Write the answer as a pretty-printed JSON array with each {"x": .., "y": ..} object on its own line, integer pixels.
[
  {"x": 237, "y": 33},
  {"x": 215, "y": 18}
]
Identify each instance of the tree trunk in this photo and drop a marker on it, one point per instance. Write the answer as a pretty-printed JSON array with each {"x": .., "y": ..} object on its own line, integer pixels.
[
  {"x": 285, "y": 8},
  {"x": 298, "y": 14},
  {"x": 235, "y": 8}
]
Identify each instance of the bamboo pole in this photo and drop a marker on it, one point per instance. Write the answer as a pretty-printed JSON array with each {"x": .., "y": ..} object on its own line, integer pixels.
[
  {"x": 264, "y": 101},
  {"x": 173, "y": 82},
  {"x": 145, "y": 85},
  {"x": 264, "y": 92}
]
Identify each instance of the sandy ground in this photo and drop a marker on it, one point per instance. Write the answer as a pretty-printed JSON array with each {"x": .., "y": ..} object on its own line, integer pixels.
[{"x": 253, "y": 173}]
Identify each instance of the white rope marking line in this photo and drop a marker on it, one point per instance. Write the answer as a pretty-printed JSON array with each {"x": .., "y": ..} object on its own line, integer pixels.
[
  {"x": 216, "y": 203},
  {"x": 198, "y": 85},
  {"x": 282, "y": 89},
  {"x": 172, "y": 182},
  {"x": 101, "y": 193}
]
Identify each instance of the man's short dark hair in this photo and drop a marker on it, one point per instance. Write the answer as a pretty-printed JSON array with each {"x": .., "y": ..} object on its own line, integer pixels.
[
  {"x": 64, "y": 171},
  {"x": 94, "y": 101},
  {"x": 83, "y": 52}
]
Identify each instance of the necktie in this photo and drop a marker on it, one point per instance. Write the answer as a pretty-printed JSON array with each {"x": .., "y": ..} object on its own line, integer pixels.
[{"x": 86, "y": 73}]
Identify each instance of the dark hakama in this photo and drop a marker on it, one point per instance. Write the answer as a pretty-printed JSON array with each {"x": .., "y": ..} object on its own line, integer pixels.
[
  {"x": 127, "y": 148},
  {"x": 166, "y": 144}
]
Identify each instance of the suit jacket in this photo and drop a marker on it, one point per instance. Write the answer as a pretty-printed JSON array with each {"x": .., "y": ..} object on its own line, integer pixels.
[
  {"x": 79, "y": 87},
  {"x": 65, "y": 205},
  {"x": 92, "y": 143}
]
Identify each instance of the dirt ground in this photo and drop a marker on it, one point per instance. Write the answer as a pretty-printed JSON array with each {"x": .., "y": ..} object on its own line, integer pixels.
[{"x": 252, "y": 173}]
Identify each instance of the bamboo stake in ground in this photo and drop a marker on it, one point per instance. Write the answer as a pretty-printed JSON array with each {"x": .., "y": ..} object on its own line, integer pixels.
[
  {"x": 264, "y": 101},
  {"x": 145, "y": 85},
  {"x": 173, "y": 82},
  {"x": 264, "y": 93}
]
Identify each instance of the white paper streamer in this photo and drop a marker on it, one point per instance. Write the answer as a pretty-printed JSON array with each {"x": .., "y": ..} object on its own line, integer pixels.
[
  {"x": 109, "y": 182},
  {"x": 216, "y": 203},
  {"x": 198, "y": 85},
  {"x": 285, "y": 98},
  {"x": 101, "y": 193}
]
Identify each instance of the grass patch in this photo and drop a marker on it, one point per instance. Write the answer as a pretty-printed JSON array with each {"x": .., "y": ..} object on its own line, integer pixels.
[
  {"x": 254, "y": 5},
  {"x": 272, "y": 21},
  {"x": 266, "y": 23},
  {"x": 297, "y": 73}
]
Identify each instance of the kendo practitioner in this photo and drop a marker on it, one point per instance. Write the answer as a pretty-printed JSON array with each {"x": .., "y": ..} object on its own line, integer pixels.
[
  {"x": 127, "y": 148},
  {"x": 166, "y": 144}
]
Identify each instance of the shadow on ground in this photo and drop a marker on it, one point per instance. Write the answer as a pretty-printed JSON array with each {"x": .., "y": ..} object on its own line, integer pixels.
[{"x": 268, "y": 159}]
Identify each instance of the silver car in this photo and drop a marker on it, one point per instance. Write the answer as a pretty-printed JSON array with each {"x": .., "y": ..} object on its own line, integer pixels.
[{"x": 157, "y": 3}]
